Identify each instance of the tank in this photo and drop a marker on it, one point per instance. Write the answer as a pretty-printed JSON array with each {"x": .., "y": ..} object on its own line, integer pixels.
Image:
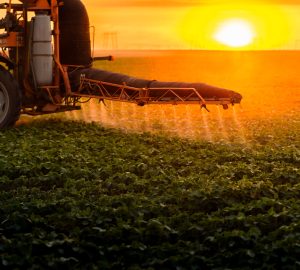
[
  {"x": 42, "y": 56},
  {"x": 75, "y": 44}
]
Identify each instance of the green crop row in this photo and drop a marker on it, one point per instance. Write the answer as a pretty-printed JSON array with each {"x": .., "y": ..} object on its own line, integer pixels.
[{"x": 79, "y": 196}]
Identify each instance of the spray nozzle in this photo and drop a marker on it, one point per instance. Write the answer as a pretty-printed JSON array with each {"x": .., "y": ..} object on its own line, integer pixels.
[
  {"x": 225, "y": 106},
  {"x": 204, "y": 106}
]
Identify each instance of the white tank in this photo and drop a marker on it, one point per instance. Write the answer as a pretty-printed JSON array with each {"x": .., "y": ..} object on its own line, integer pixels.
[{"x": 42, "y": 56}]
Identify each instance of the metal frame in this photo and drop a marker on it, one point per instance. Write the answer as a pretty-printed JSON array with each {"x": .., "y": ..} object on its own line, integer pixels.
[
  {"x": 61, "y": 94},
  {"x": 142, "y": 96}
]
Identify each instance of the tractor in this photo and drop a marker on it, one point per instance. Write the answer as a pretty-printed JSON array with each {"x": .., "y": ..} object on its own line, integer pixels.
[{"x": 46, "y": 66}]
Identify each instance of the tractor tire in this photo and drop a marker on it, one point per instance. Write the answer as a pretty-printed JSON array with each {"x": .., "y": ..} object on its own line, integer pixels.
[{"x": 10, "y": 99}]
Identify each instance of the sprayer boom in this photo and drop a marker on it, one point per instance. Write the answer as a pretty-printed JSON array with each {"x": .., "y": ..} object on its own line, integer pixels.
[
  {"x": 46, "y": 66},
  {"x": 106, "y": 85},
  {"x": 143, "y": 96}
]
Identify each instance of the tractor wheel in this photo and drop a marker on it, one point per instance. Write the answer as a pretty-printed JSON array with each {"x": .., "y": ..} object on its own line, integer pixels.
[{"x": 10, "y": 99}]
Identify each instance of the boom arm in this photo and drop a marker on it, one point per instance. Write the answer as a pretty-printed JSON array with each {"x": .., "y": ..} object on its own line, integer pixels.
[
  {"x": 50, "y": 55},
  {"x": 119, "y": 87}
]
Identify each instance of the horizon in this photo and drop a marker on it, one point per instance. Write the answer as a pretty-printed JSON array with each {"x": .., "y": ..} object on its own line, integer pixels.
[{"x": 96, "y": 51}]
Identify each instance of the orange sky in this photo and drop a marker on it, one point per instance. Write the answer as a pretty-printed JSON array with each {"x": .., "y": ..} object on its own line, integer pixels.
[
  {"x": 192, "y": 24},
  {"x": 185, "y": 24}
]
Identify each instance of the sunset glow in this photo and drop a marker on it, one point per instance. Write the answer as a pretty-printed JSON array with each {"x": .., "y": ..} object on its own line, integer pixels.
[
  {"x": 191, "y": 24},
  {"x": 237, "y": 26},
  {"x": 235, "y": 33}
]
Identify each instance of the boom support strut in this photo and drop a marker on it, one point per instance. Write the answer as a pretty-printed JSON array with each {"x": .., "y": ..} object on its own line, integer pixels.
[{"x": 144, "y": 95}]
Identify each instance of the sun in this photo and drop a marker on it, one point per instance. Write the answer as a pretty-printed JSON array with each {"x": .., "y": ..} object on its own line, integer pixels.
[
  {"x": 234, "y": 33},
  {"x": 237, "y": 27}
]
